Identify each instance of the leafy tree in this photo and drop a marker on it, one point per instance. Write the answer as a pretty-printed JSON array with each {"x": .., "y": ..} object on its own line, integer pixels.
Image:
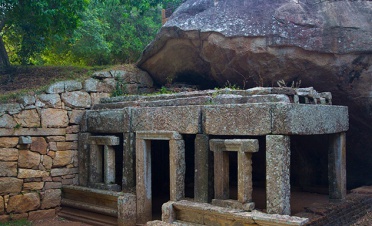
[{"x": 28, "y": 26}]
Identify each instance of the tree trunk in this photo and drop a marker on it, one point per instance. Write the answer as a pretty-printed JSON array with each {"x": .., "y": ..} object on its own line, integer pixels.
[{"x": 4, "y": 59}]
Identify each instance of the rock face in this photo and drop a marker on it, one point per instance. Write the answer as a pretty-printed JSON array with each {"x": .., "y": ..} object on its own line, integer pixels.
[{"x": 325, "y": 44}]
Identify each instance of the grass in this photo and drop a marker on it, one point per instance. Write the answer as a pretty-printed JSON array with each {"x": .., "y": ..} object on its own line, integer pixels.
[
  {"x": 22, "y": 222},
  {"x": 30, "y": 80}
]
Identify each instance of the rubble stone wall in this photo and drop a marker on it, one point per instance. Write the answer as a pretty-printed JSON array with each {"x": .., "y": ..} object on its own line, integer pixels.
[{"x": 38, "y": 141}]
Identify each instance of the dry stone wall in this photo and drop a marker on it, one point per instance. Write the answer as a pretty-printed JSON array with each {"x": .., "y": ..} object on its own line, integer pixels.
[{"x": 38, "y": 141}]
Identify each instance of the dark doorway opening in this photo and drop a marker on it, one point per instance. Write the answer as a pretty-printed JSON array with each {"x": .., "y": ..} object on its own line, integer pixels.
[
  {"x": 190, "y": 164},
  {"x": 160, "y": 176},
  {"x": 233, "y": 175}
]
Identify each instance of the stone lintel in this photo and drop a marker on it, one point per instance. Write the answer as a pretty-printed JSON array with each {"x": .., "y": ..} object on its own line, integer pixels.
[
  {"x": 239, "y": 145},
  {"x": 32, "y": 132},
  {"x": 158, "y": 135},
  {"x": 229, "y": 203},
  {"x": 104, "y": 140},
  {"x": 109, "y": 121}
]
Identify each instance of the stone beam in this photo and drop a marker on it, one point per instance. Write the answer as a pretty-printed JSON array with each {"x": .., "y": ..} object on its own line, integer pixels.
[{"x": 104, "y": 140}]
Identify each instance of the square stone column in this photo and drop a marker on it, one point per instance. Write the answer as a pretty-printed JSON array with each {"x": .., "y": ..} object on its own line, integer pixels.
[
  {"x": 129, "y": 159},
  {"x": 143, "y": 175},
  {"x": 203, "y": 177},
  {"x": 95, "y": 160},
  {"x": 277, "y": 174},
  {"x": 83, "y": 158},
  {"x": 221, "y": 170},
  {"x": 245, "y": 187},
  {"x": 177, "y": 169},
  {"x": 337, "y": 167},
  {"x": 109, "y": 164}
]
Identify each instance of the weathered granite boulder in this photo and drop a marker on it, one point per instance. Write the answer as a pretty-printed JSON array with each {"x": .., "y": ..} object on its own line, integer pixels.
[{"x": 325, "y": 44}]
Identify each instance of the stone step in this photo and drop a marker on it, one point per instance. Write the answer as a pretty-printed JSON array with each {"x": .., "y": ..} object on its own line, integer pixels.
[
  {"x": 89, "y": 207},
  {"x": 87, "y": 217}
]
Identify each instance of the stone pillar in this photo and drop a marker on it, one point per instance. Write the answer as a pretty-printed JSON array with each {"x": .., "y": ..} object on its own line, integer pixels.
[
  {"x": 83, "y": 158},
  {"x": 245, "y": 177},
  {"x": 203, "y": 178},
  {"x": 277, "y": 174},
  {"x": 143, "y": 175},
  {"x": 129, "y": 175},
  {"x": 95, "y": 161},
  {"x": 109, "y": 164},
  {"x": 177, "y": 169},
  {"x": 221, "y": 170},
  {"x": 127, "y": 210},
  {"x": 337, "y": 167}
]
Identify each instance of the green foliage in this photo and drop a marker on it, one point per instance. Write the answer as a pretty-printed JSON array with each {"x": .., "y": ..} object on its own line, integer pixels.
[
  {"x": 22, "y": 222},
  {"x": 28, "y": 27},
  {"x": 120, "y": 88}
]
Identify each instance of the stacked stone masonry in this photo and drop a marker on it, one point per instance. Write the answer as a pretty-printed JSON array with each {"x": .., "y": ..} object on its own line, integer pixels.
[{"x": 39, "y": 141}]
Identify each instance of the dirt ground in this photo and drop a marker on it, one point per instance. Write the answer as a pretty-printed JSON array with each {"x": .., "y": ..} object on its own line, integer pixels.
[{"x": 57, "y": 221}]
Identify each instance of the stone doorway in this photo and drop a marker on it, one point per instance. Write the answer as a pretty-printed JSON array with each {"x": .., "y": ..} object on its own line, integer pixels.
[{"x": 145, "y": 169}]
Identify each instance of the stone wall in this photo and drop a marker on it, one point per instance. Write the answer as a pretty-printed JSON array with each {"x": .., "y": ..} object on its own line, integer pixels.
[{"x": 38, "y": 141}]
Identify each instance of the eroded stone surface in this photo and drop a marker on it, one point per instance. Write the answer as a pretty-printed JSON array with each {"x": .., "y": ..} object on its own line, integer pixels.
[
  {"x": 8, "y": 142},
  {"x": 63, "y": 158},
  {"x": 10, "y": 185},
  {"x": 8, "y": 154},
  {"x": 51, "y": 100},
  {"x": 30, "y": 173},
  {"x": 77, "y": 99},
  {"x": 8, "y": 169},
  {"x": 51, "y": 198},
  {"x": 54, "y": 118},
  {"x": 39, "y": 145},
  {"x": 23, "y": 203},
  {"x": 28, "y": 159},
  {"x": 7, "y": 121}
]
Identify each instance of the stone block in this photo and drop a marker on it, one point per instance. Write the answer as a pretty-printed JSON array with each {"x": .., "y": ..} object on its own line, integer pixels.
[
  {"x": 72, "y": 129},
  {"x": 7, "y": 121},
  {"x": 276, "y": 219},
  {"x": 27, "y": 100},
  {"x": 54, "y": 118},
  {"x": 23, "y": 203},
  {"x": 102, "y": 74},
  {"x": 19, "y": 216},
  {"x": 8, "y": 169},
  {"x": 4, "y": 218},
  {"x": 245, "y": 119},
  {"x": 110, "y": 121},
  {"x": 41, "y": 214},
  {"x": 10, "y": 185},
  {"x": 8, "y": 142},
  {"x": 33, "y": 186},
  {"x": 47, "y": 162},
  {"x": 11, "y": 109},
  {"x": 104, "y": 140},
  {"x": 96, "y": 97},
  {"x": 129, "y": 158},
  {"x": 76, "y": 99},
  {"x": 83, "y": 158},
  {"x": 94, "y": 85},
  {"x": 30, "y": 173},
  {"x": 63, "y": 158},
  {"x": 63, "y": 171},
  {"x": 72, "y": 85},
  {"x": 233, "y": 204},
  {"x": 50, "y": 100},
  {"x": 76, "y": 116},
  {"x": 8, "y": 154},
  {"x": 61, "y": 146},
  {"x": 239, "y": 145},
  {"x": 127, "y": 210},
  {"x": 32, "y": 132},
  {"x": 25, "y": 140},
  {"x": 72, "y": 137},
  {"x": 39, "y": 145},
  {"x": 52, "y": 185},
  {"x": 51, "y": 198},
  {"x": 302, "y": 119},
  {"x": 158, "y": 135},
  {"x": 183, "y": 119},
  {"x": 28, "y": 159},
  {"x": 58, "y": 87},
  {"x": 2, "y": 208},
  {"x": 55, "y": 138},
  {"x": 28, "y": 118}
]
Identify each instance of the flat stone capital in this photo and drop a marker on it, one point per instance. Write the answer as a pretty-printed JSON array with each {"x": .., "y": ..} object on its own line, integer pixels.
[
  {"x": 238, "y": 145},
  {"x": 158, "y": 135},
  {"x": 104, "y": 140}
]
